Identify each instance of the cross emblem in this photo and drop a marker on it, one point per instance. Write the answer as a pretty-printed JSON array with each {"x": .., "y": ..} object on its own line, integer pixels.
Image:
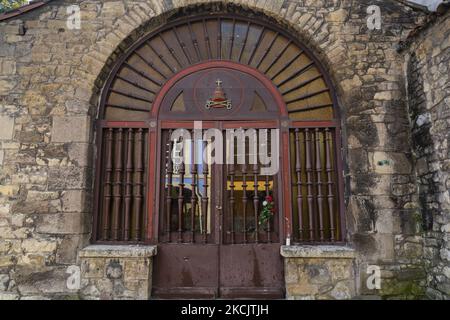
[{"x": 219, "y": 99}]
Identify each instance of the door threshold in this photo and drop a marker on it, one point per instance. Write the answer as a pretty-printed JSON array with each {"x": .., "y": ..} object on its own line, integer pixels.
[{"x": 225, "y": 293}]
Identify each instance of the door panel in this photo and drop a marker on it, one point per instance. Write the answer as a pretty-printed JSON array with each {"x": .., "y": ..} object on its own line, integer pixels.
[
  {"x": 251, "y": 271},
  {"x": 186, "y": 271}
]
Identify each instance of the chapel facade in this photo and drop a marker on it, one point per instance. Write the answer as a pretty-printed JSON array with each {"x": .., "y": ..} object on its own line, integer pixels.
[{"x": 240, "y": 149}]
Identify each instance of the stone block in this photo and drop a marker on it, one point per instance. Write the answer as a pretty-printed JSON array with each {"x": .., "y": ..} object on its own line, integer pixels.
[
  {"x": 79, "y": 153},
  {"x": 116, "y": 272},
  {"x": 9, "y": 296},
  {"x": 71, "y": 129},
  {"x": 75, "y": 200},
  {"x": 63, "y": 223},
  {"x": 46, "y": 281},
  {"x": 319, "y": 272},
  {"x": 387, "y": 222},
  {"x": 67, "y": 251},
  {"x": 68, "y": 178},
  {"x": 113, "y": 9},
  {"x": 343, "y": 290},
  {"x": 6, "y": 127},
  {"x": 6, "y": 261},
  {"x": 41, "y": 195},
  {"x": 389, "y": 163},
  {"x": 9, "y": 190},
  {"x": 7, "y": 67},
  {"x": 39, "y": 245},
  {"x": 6, "y": 85},
  {"x": 338, "y": 16},
  {"x": 137, "y": 269},
  {"x": 317, "y": 252},
  {"x": 93, "y": 268}
]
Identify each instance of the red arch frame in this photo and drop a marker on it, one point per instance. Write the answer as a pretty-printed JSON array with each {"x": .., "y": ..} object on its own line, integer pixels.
[
  {"x": 219, "y": 64},
  {"x": 154, "y": 139}
]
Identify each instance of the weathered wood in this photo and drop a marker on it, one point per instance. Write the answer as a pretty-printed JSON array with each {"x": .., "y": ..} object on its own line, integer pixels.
[
  {"x": 309, "y": 183},
  {"x": 107, "y": 190},
  {"x": 319, "y": 194},
  {"x": 330, "y": 184},
  {"x": 298, "y": 170}
]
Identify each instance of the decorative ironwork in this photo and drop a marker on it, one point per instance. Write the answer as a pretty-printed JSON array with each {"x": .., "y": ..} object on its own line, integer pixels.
[{"x": 219, "y": 99}]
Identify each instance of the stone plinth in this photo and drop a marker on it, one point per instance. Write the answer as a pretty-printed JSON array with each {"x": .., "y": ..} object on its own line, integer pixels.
[
  {"x": 319, "y": 272},
  {"x": 116, "y": 272}
]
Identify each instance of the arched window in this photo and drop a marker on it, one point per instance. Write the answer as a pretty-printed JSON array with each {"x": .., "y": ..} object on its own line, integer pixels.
[{"x": 230, "y": 72}]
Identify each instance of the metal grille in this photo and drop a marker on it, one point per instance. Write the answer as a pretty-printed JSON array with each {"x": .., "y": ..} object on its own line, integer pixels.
[{"x": 122, "y": 195}]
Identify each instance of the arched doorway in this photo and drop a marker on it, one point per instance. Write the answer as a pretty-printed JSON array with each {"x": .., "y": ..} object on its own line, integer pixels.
[{"x": 231, "y": 73}]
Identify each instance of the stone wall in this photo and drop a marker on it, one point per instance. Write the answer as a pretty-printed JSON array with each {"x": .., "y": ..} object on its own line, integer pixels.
[
  {"x": 428, "y": 70},
  {"x": 50, "y": 80}
]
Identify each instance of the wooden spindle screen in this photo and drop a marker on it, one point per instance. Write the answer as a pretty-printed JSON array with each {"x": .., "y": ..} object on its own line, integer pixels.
[
  {"x": 245, "y": 193},
  {"x": 315, "y": 206},
  {"x": 186, "y": 195},
  {"x": 187, "y": 213},
  {"x": 121, "y": 215}
]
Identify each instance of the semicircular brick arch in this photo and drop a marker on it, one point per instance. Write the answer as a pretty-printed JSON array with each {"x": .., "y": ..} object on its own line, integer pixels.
[{"x": 136, "y": 80}]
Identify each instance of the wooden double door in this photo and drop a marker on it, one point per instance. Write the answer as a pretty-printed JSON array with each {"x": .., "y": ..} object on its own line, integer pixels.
[{"x": 214, "y": 241}]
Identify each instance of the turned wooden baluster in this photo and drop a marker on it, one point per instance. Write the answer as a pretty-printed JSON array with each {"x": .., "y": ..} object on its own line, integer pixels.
[
  {"x": 194, "y": 172},
  {"x": 319, "y": 182},
  {"x": 139, "y": 194},
  {"x": 181, "y": 172},
  {"x": 205, "y": 199},
  {"x": 128, "y": 185},
  {"x": 298, "y": 170},
  {"x": 117, "y": 196},
  {"x": 309, "y": 183},
  {"x": 329, "y": 169},
  {"x": 244, "y": 199},
  {"x": 107, "y": 186},
  {"x": 266, "y": 186},
  {"x": 231, "y": 173},
  {"x": 169, "y": 186},
  {"x": 256, "y": 200}
]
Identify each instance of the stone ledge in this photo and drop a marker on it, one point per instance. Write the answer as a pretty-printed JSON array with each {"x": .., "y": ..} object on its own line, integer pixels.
[
  {"x": 308, "y": 251},
  {"x": 117, "y": 251}
]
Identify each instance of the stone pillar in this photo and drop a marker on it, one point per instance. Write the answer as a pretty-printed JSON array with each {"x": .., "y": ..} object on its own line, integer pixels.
[
  {"x": 116, "y": 272},
  {"x": 319, "y": 272}
]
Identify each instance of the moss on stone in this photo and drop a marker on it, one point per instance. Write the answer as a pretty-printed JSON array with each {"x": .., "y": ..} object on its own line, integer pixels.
[{"x": 401, "y": 289}]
